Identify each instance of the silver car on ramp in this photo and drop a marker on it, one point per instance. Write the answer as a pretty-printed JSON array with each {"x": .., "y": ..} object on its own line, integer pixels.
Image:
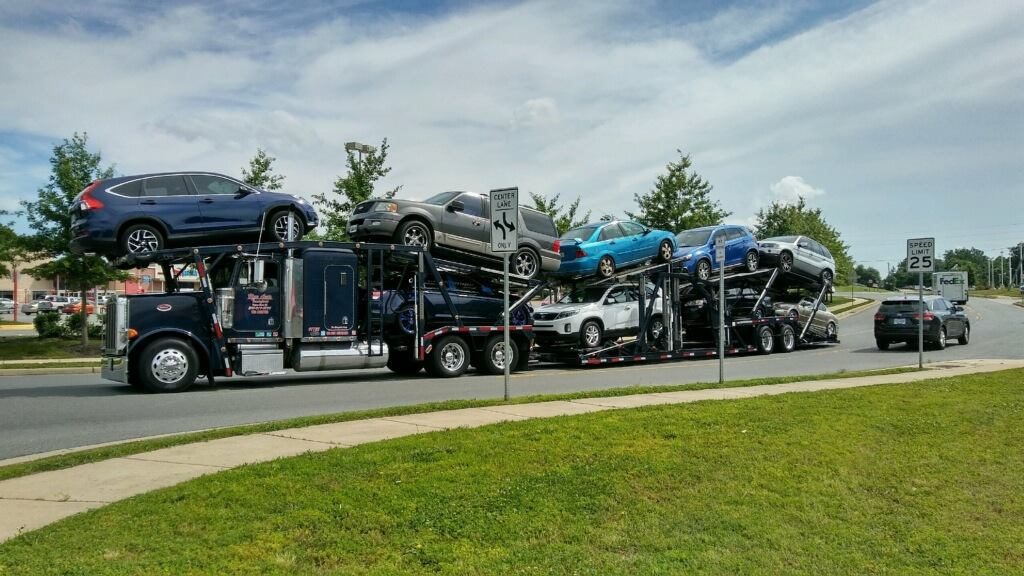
[{"x": 799, "y": 254}]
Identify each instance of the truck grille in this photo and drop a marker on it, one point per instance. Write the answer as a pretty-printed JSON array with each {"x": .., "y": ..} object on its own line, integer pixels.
[{"x": 110, "y": 337}]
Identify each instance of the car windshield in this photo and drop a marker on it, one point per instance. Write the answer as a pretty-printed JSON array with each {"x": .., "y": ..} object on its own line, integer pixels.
[
  {"x": 788, "y": 239},
  {"x": 694, "y": 237},
  {"x": 442, "y": 198},
  {"x": 582, "y": 233},
  {"x": 584, "y": 295}
]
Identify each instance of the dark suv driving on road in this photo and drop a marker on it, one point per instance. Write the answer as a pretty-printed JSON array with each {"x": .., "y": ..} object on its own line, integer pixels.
[
  {"x": 457, "y": 221},
  {"x": 898, "y": 316},
  {"x": 138, "y": 214}
]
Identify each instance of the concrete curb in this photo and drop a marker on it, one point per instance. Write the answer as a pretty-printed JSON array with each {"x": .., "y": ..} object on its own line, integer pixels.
[
  {"x": 859, "y": 305},
  {"x": 31, "y": 502},
  {"x": 45, "y": 371}
]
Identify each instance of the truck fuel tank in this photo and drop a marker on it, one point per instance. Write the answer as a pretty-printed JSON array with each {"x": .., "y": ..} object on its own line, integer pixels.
[{"x": 311, "y": 357}]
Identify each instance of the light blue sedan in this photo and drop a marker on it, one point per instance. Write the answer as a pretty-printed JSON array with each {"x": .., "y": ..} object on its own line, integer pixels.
[{"x": 602, "y": 248}]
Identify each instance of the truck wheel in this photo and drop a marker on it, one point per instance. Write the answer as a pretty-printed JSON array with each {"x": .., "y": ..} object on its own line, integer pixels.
[
  {"x": 413, "y": 233},
  {"x": 404, "y": 364},
  {"x": 765, "y": 340},
  {"x": 786, "y": 338},
  {"x": 449, "y": 358},
  {"x": 168, "y": 365},
  {"x": 526, "y": 263},
  {"x": 495, "y": 355}
]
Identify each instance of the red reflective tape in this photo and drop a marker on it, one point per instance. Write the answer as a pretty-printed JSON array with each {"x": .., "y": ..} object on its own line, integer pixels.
[
  {"x": 201, "y": 269},
  {"x": 486, "y": 328},
  {"x": 638, "y": 358},
  {"x": 463, "y": 328},
  {"x": 592, "y": 361}
]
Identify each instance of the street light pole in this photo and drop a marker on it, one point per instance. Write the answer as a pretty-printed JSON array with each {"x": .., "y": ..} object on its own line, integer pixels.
[{"x": 359, "y": 148}]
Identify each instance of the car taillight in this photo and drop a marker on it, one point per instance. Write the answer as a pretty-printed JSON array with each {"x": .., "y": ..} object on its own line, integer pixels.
[
  {"x": 928, "y": 316},
  {"x": 580, "y": 253},
  {"x": 879, "y": 316},
  {"x": 557, "y": 246},
  {"x": 88, "y": 201}
]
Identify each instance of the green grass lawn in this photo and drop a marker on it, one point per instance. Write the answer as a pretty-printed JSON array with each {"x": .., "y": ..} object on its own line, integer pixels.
[
  {"x": 1011, "y": 292},
  {"x": 858, "y": 288},
  {"x": 838, "y": 300},
  {"x": 904, "y": 479},
  {"x": 34, "y": 348}
]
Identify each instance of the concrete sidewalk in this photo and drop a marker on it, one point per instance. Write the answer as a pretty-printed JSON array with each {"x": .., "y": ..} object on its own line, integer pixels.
[{"x": 31, "y": 502}]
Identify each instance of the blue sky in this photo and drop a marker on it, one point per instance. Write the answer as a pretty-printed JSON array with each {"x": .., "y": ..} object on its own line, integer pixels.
[{"x": 899, "y": 119}]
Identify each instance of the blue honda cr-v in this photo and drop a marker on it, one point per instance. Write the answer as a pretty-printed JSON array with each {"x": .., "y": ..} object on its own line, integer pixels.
[{"x": 136, "y": 214}]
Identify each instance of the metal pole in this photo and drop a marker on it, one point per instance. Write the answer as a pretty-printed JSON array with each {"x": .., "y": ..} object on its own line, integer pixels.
[
  {"x": 508, "y": 356},
  {"x": 920, "y": 321},
  {"x": 721, "y": 322}
]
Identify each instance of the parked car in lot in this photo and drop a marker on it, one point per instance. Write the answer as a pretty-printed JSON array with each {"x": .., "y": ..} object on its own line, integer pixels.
[
  {"x": 898, "y": 316},
  {"x": 29, "y": 308},
  {"x": 697, "y": 249},
  {"x": 137, "y": 214},
  {"x": 6, "y": 304},
  {"x": 602, "y": 248},
  {"x": 801, "y": 255},
  {"x": 52, "y": 303},
  {"x": 457, "y": 221},
  {"x": 76, "y": 308},
  {"x": 588, "y": 316},
  {"x": 824, "y": 324}
]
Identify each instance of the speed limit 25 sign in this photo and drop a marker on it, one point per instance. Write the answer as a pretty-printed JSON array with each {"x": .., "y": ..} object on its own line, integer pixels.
[{"x": 921, "y": 255}]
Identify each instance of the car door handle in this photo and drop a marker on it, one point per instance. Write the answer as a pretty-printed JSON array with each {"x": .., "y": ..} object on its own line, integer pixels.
[
  {"x": 147, "y": 202},
  {"x": 207, "y": 200}
]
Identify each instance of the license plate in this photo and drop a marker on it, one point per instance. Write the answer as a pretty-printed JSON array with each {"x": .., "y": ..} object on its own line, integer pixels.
[
  {"x": 899, "y": 320},
  {"x": 351, "y": 229}
]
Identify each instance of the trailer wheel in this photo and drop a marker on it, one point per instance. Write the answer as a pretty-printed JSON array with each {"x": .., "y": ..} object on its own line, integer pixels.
[
  {"x": 765, "y": 340},
  {"x": 168, "y": 365},
  {"x": 404, "y": 364},
  {"x": 449, "y": 358},
  {"x": 495, "y": 355},
  {"x": 786, "y": 338}
]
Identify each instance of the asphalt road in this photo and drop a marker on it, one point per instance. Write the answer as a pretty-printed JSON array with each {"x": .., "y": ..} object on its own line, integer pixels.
[{"x": 43, "y": 413}]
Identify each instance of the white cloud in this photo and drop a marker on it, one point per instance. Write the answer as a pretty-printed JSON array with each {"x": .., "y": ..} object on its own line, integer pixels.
[
  {"x": 535, "y": 112},
  {"x": 791, "y": 189}
]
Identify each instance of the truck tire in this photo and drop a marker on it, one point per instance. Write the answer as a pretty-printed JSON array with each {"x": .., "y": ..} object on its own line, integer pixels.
[
  {"x": 765, "y": 340},
  {"x": 414, "y": 233},
  {"x": 404, "y": 364},
  {"x": 449, "y": 358},
  {"x": 786, "y": 338},
  {"x": 168, "y": 365},
  {"x": 493, "y": 361}
]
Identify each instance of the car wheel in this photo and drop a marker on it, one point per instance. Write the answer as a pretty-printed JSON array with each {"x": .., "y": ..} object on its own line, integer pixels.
[
  {"x": 606, "y": 267},
  {"x": 786, "y": 262},
  {"x": 794, "y": 315},
  {"x": 940, "y": 344},
  {"x": 278, "y": 226},
  {"x": 168, "y": 365},
  {"x": 827, "y": 276},
  {"x": 965, "y": 338},
  {"x": 414, "y": 233},
  {"x": 590, "y": 334},
  {"x": 882, "y": 344},
  {"x": 704, "y": 269},
  {"x": 404, "y": 364},
  {"x": 830, "y": 330},
  {"x": 765, "y": 340},
  {"x": 751, "y": 261},
  {"x": 656, "y": 330},
  {"x": 407, "y": 319},
  {"x": 495, "y": 355},
  {"x": 786, "y": 338},
  {"x": 665, "y": 251},
  {"x": 141, "y": 239},
  {"x": 526, "y": 263},
  {"x": 449, "y": 358}
]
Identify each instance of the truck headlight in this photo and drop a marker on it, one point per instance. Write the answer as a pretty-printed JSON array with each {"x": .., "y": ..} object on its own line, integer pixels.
[{"x": 384, "y": 207}]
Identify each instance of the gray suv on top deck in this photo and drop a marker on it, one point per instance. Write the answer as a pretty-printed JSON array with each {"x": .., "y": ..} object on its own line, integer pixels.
[{"x": 457, "y": 221}]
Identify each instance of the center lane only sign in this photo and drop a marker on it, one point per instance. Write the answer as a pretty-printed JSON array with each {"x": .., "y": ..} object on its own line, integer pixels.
[{"x": 504, "y": 220}]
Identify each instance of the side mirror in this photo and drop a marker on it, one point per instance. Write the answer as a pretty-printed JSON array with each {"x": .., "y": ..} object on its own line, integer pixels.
[
  {"x": 646, "y": 231},
  {"x": 456, "y": 206},
  {"x": 257, "y": 272}
]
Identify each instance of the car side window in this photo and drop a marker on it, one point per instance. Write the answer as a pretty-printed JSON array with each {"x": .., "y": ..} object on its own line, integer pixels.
[
  {"x": 165, "y": 186},
  {"x": 939, "y": 305},
  {"x": 131, "y": 189},
  {"x": 733, "y": 233},
  {"x": 617, "y": 296},
  {"x": 206, "y": 184},
  {"x": 631, "y": 228},
  {"x": 711, "y": 241},
  {"x": 472, "y": 205},
  {"x": 611, "y": 232}
]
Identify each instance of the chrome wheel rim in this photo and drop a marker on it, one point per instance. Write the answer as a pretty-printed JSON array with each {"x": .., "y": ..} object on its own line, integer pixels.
[
  {"x": 657, "y": 327},
  {"x": 788, "y": 339},
  {"x": 826, "y": 276},
  {"x": 606, "y": 267},
  {"x": 787, "y": 262},
  {"x": 767, "y": 340},
  {"x": 703, "y": 270},
  {"x": 169, "y": 366},
  {"x": 142, "y": 241},
  {"x": 281, "y": 227},
  {"x": 794, "y": 314},
  {"x": 666, "y": 251},
  {"x": 415, "y": 236},
  {"x": 498, "y": 355},
  {"x": 830, "y": 330},
  {"x": 592, "y": 335},
  {"x": 752, "y": 261},
  {"x": 967, "y": 334},
  {"x": 526, "y": 264},
  {"x": 452, "y": 357}
]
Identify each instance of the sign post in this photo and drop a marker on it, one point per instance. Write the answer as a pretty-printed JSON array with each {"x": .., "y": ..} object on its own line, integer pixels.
[
  {"x": 504, "y": 219},
  {"x": 720, "y": 258},
  {"x": 920, "y": 259}
]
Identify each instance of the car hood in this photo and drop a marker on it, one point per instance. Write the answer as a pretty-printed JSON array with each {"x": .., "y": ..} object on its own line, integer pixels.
[{"x": 563, "y": 307}]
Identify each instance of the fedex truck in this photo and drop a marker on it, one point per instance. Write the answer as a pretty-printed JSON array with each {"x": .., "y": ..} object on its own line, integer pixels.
[{"x": 951, "y": 285}]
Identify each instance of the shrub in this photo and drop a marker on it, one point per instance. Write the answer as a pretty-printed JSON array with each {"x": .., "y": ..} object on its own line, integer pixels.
[
  {"x": 73, "y": 326},
  {"x": 48, "y": 325}
]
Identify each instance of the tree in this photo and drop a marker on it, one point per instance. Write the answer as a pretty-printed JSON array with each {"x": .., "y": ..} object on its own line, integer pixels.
[
  {"x": 680, "y": 200},
  {"x": 899, "y": 277},
  {"x": 971, "y": 260},
  {"x": 785, "y": 219},
  {"x": 10, "y": 249},
  {"x": 349, "y": 190},
  {"x": 73, "y": 168},
  {"x": 563, "y": 222},
  {"x": 261, "y": 172},
  {"x": 868, "y": 276}
]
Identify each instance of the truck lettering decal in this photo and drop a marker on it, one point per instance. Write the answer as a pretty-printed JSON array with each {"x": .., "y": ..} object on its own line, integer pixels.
[{"x": 259, "y": 304}]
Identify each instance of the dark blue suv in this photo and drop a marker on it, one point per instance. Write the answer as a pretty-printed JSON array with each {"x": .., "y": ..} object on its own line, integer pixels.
[{"x": 136, "y": 214}]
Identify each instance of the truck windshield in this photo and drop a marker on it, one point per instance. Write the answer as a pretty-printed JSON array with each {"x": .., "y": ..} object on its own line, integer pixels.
[
  {"x": 584, "y": 295},
  {"x": 693, "y": 237},
  {"x": 442, "y": 198}
]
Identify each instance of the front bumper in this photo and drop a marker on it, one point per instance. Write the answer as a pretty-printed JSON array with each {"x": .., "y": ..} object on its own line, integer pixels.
[
  {"x": 373, "y": 225},
  {"x": 551, "y": 332},
  {"x": 769, "y": 255}
]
